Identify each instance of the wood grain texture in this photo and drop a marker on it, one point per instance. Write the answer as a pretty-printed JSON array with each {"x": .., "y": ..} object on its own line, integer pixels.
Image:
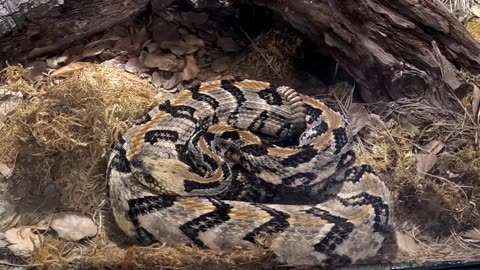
[
  {"x": 50, "y": 27},
  {"x": 393, "y": 48}
]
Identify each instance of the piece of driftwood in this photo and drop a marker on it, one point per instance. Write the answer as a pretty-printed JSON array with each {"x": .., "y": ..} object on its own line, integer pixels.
[
  {"x": 393, "y": 48},
  {"x": 36, "y": 27}
]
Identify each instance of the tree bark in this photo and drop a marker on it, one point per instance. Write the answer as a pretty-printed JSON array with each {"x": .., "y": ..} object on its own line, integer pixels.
[
  {"x": 393, "y": 48},
  {"x": 49, "y": 25}
]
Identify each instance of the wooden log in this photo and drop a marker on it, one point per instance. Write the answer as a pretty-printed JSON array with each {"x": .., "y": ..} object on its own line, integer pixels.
[
  {"x": 42, "y": 26},
  {"x": 393, "y": 48}
]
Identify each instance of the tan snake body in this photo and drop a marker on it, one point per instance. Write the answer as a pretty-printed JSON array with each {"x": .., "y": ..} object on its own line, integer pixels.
[{"x": 216, "y": 167}]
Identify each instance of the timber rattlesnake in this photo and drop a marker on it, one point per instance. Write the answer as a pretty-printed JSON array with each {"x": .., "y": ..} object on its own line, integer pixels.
[{"x": 216, "y": 166}]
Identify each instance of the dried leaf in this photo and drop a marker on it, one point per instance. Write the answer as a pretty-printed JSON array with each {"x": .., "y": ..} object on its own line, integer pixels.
[
  {"x": 152, "y": 47},
  {"x": 159, "y": 6},
  {"x": 167, "y": 62},
  {"x": 191, "y": 69},
  {"x": 134, "y": 65},
  {"x": 183, "y": 31},
  {"x": 139, "y": 38},
  {"x": 165, "y": 80},
  {"x": 117, "y": 62},
  {"x": 376, "y": 122},
  {"x": 425, "y": 162},
  {"x": 123, "y": 44},
  {"x": 156, "y": 79},
  {"x": 22, "y": 241},
  {"x": 37, "y": 69},
  {"x": 475, "y": 9},
  {"x": 207, "y": 36},
  {"x": 194, "y": 41},
  {"x": 109, "y": 40},
  {"x": 358, "y": 117},
  {"x": 171, "y": 83},
  {"x": 434, "y": 147},
  {"x": 195, "y": 18},
  {"x": 227, "y": 77},
  {"x": 96, "y": 50},
  {"x": 472, "y": 234},
  {"x": 221, "y": 64},
  {"x": 54, "y": 61},
  {"x": 165, "y": 32},
  {"x": 69, "y": 69},
  {"x": 227, "y": 44},
  {"x": 77, "y": 50},
  {"x": 179, "y": 47},
  {"x": 406, "y": 243},
  {"x": 73, "y": 227}
]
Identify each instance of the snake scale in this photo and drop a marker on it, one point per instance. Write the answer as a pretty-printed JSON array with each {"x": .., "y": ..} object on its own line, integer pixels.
[{"x": 242, "y": 163}]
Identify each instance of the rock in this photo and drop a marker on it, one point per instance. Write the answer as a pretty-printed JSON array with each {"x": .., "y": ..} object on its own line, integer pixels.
[{"x": 167, "y": 62}]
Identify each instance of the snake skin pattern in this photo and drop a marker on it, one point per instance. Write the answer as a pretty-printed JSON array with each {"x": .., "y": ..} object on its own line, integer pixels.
[{"x": 243, "y": 163}]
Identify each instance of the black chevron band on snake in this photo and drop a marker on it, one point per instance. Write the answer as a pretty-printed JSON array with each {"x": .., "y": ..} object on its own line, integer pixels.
[
  {"x": 207, "y": 221},
  {"x": 213, "y": 167},
  {"x": 271, "y": 97},
  {"x": 154, "y": 136},
  {"x": 203, "y": 97},
  {"x": 278, "y": 223}
]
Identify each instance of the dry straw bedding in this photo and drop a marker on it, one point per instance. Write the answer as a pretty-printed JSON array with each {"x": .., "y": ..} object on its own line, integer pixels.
[{"x": 62, "y": 134}]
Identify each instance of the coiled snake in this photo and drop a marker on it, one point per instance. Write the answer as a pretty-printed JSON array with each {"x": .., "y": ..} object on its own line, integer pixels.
[{"x": 243, "y": 163}]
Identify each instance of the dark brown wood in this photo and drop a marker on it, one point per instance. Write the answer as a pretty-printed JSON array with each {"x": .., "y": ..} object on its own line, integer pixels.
[
  {"x": 393, "y": 48},
  {"x": 53, "y": 24}
]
